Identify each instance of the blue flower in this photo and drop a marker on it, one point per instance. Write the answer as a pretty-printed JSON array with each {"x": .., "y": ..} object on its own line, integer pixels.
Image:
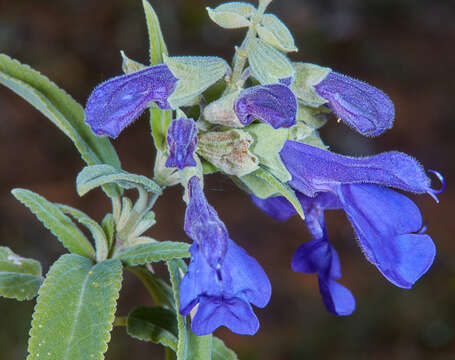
[
  {"x": 223, "y": 289},
  {"x": 387, "y": 223},
  {"x": 116, "y": 103},
  {"x": 273, "y": 104},
  {"x": 363, "y": 107},
  {"x": 182, "y": 140}
]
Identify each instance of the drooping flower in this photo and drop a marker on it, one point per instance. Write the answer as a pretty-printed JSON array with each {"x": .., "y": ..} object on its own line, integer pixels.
[
  {"x": 273, "y": 104},
  {"x": 223, "y": 289},
  {"x": 360, "y": 105},
  {"x": 318, "y": 255},
  {"x": 182, "y": 140},
  {"x": 116, "y": 103},
  {"x": 387, "y": 223}
]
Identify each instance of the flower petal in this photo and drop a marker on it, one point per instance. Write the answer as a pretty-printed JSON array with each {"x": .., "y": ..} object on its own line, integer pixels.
[
  {"x": 247, "y": 276},
  {"x": 234, "y": 313},
  {"x": 277, "y": 207},
  {"x": 116, "y": 103},
  {"x": 316, "y": 170},
  {"x": 273, "y": 104},
  {"x": 385, "y": 221},
  {"x": 203, "y": 225},
  {"x": 182, "y": 140},
  {"x": 224, "y": 295},
  {"x": 337, "y": 299},
  {"x": 363, "y": 107}
]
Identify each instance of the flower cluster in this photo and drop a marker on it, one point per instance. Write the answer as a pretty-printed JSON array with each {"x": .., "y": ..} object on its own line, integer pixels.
[{"x": 222, "y": 279}]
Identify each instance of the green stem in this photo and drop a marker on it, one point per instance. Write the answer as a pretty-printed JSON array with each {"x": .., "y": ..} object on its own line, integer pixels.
[
  {"x": 241, "y": 54},
  {"x": 116, "y": 207},
  {"x": 120, "y": 321}
]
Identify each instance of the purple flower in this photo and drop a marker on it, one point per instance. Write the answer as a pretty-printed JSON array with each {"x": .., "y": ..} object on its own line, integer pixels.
[
  {"x": 273, "y": 104},
  {"x": 204, "y": 227},
  {"x": 316, "y": 256},
  {"x": 361, "y": 106},
  {"x": 182, "y": 140},
  {"x": 225, "y": 291},
  {"x": 116, "y": 103},
  {"x": 387, "y": 223}
]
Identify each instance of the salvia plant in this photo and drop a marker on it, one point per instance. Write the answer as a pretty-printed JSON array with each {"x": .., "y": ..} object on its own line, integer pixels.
[{"x": 261, "y": 131}]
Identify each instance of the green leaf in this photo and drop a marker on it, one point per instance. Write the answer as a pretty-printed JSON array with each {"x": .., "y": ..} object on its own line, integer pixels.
[
  {"x": 159, "y": 119},
  {"x": 221, "y": 352},
  {"x": 56, "y": 221},
  {"x": 101, "y": 243},
  {"x": 306, "y": 134},
  {"x": 267, "y": 64},
  {"x": 314, "y": 118},
  {"x": 61, "y": 109},
  {"x": 284, "y": 189},
  {"x": 263, "y": 184},
  {"x": 182, "y": 344},
  {"x": 128, "y": 65},
  {"x": 274, "y": 32},
  {"x": 161, "y": 292},
  {"x": 153, "y": 252},
  {"x": 75, "y": 309},
  {"x": 155, "y": 324},
  {"x": 20, "y": 278},
  {"x": 108, "y": 225},
  {"x": 195, "y": 74},
  {"x": 189, "y": 345},
  {"x": 157, "y": 45},
  {"x": 147, "y": 221},
  {"x": 93, "y": 176},
  {"x": 306, "y": 77},
  {"x": 232, "y": 15},
  {"x": 267, "y": 145}
]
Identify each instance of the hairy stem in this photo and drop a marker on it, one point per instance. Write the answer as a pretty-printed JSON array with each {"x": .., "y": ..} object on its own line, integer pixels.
[{"x": 241, "y": 54}]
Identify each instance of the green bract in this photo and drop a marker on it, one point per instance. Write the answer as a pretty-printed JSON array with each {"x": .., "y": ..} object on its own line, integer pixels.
[
  {"x": 306, "y": 76},
  {"x": 267, "y": 64}
]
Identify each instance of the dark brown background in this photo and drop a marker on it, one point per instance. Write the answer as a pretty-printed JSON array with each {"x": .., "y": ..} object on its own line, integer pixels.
[{"x": 402, "y": 46}]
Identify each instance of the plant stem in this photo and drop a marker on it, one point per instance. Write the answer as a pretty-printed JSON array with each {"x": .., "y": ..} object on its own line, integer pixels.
[{"x": 241, "y": 54}]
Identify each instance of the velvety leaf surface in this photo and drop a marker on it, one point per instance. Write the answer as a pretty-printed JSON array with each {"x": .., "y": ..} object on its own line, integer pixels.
[
  {"x": 57, "y": 222},
  {"x": 20, "y": 278},
  {"x": 75, "y": 309},
  {"x": 153, "y": 252},
  {"x": 61, "y": 109}
]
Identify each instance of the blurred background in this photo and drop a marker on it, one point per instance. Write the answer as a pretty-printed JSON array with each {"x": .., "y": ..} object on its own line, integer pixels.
[{"x": 405, "y": 47}]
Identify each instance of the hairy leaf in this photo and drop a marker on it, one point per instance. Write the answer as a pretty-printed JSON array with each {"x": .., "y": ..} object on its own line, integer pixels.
[
  {"x": 306, "y": 76},
  {"x": 20, "y": 278},
  {"x": 159, "y": 119},
  {"x": 155, "y": 324},
  {"x": 263, "y": 184},
  {"x": 274, "y": 32},
  {"x": 93, "y": 176},
  {"x": 75, "y": 309},
  {"x": 61, "y": 109},
  {"x": 161, "y": 292},
  {"x": 267, "y": 64},
  {"x": 56, "y": 221},
  {"x": 221, "y": 352},
  {"x": 101, "y": 243},
  {"x": 195, "y": 74},
  {"x": 153, "y": 252},
  {"x": 232, "y": 15},
  {"x": 267, "y": 145}
]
